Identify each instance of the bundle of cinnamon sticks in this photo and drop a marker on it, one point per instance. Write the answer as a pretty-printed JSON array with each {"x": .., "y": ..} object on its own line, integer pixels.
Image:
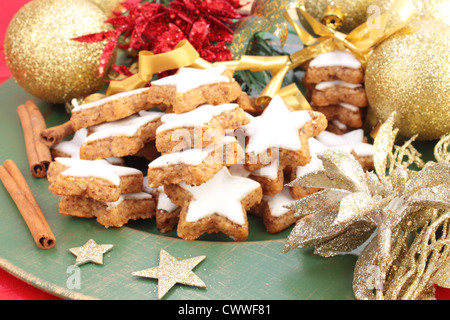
[{"x": 39, "y": 159}]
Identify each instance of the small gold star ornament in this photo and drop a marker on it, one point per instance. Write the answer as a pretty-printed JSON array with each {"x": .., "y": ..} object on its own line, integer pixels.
[
  {"x": 90, "y": 252},
  {"x": 172, "y": 271}
]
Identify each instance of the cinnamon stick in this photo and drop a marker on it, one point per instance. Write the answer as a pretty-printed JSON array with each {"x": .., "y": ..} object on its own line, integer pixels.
[
  {"x": 38, "y": 153},
  {"x": 25, "y": 201},
  {"x": 53, "y": 135}
]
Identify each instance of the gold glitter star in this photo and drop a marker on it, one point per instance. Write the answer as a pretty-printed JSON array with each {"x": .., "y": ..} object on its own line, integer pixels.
[
  {"x": 90, "y": 252},
  {"x": 171, "y": 271}
]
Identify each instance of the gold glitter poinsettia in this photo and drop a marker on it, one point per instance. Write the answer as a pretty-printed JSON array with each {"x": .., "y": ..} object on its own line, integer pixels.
[
  {"x": 266, "y": 15},
  {"x": 398, "y": 201}
]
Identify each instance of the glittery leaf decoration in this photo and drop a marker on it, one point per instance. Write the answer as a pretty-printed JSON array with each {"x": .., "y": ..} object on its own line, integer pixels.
[
  {"x": 441, "y": 150},
  {"x": 266, "y": 15},
  {"x": 413, "y": 265},
  {"x": 383, "y": 145},
  {"x": 324, "y": 201},
  {"x": 405, "y": 155},
  {"x": 327, "y": 237},
  {"x": 410, "y": 210}
]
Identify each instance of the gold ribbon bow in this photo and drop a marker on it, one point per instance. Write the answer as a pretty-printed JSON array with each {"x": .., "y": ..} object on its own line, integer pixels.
[
  {"x": 360, "y": 41},
  {"x": 183, "y": 55}
]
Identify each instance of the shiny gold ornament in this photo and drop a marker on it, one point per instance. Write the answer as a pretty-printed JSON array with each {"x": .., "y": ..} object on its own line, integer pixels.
[
  {"x": 354, "y": 11},
  {"x": 108, "y": 6},
  {"x": 426, "y": 9},
  {"x": 410, "y": 73},
  {"x": 172, "y": 271},
  {"x": 42, "y": 57}
]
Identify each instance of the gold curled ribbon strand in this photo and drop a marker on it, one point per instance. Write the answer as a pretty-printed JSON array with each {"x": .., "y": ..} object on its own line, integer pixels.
[
  {"x": 183, "y": 55},
  {"x": 273, "y": 87},
  {"x": 360, "y": 41},
  {"x": 294, "y": 98},
  {"x": 256, "y": 63}
]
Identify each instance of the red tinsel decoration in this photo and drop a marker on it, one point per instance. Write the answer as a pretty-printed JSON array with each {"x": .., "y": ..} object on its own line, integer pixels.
[{"x": 158, "y": 28}]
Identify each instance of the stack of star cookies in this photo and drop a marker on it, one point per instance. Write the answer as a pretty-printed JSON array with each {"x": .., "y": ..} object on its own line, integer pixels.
[
  {"x": 197, "y": 145},
  {"x": 89, "y": 170},
  {"x": 98, "y": 189},
  {"x": 335, "y": 87}
]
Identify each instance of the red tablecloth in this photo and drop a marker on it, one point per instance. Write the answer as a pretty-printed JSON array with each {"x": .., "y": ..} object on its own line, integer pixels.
[{"x": 12, "y": 288}]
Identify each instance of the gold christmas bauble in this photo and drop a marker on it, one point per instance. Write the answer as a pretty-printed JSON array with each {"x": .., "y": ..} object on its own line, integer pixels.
[
  {"x": 355, "y": 12},
  {"x": 410, "y": 73},
  {"x": 425, "y": 9},
  {"x": 44, "y": 60}
]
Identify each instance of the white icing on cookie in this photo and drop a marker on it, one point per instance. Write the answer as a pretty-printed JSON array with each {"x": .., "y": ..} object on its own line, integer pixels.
[
  {"x": 276, "y": 203},
  {"x": 120, "y": 95},
  {"x": 164, "y": 202},
  {"x": 349, "y": 106},
  {"x": 339, "y": 124},
  {"x": 190, "y": 156},
  {"x": 72, "y": 147},
  {"x": 95, "y": 168},
  {"x": 197, "y": 117},
  {"x": 315, "y": 164},
  {"x": 129, "y": 196},
  {"x": 336, "y": 58},
  {"x": 123, "y": 127},
  {"x": 353, "y": 139},
  {"x": 270, "y": 171},
  {"x": 221, "y": 195},
  {"x": 328, "y": 84},
  {"x": 190, "y": 78},
  {"x": 276, "y": 127}
]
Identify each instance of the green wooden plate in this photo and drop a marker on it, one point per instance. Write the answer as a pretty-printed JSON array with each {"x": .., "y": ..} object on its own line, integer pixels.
[{"x": 252, "y": 270}]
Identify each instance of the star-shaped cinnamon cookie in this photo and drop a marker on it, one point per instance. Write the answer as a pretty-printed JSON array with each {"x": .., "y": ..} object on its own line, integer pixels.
[
  {"x": 190, "y": 88},
  {"x": 218, "y": 205},
  {"x": 281, "y": 134}
]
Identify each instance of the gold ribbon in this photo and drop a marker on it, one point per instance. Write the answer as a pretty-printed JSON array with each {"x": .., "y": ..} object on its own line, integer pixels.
[
  {"x": 294, "y": 98},
  {"x": 359, "y": 41},
  {"x": 256, "y": 63},
  {"x": 183, "y": 55}
]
